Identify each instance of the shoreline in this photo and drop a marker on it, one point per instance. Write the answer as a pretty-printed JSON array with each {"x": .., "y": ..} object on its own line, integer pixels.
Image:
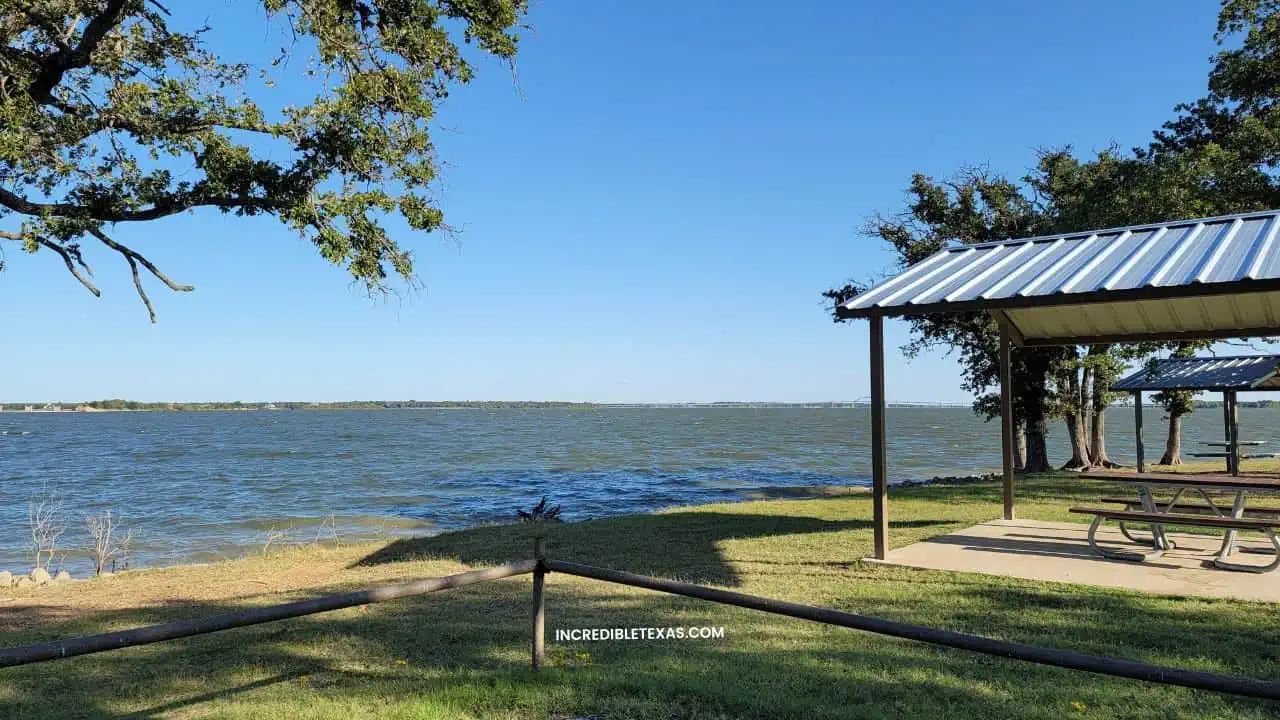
[
  {"x": 250, "y": 550},
  {"x": 446, "y": 405}
]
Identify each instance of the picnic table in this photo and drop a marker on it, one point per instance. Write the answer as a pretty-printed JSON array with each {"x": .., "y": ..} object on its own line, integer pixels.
[
  {"x": 1231, "y": 451},
  {"x": 1174, "y": 511}
]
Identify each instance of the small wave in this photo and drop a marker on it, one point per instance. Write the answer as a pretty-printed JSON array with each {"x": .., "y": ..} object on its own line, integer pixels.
[
  {"x": 736, "y": 454},
  {"x": 160, "y": 454},
  {"x": 17, "y": 433},
  {"x": 273, "y": 454}
]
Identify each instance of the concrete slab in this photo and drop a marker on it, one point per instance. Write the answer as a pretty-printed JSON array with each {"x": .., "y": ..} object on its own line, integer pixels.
[{"x": 1059, "y": 552}]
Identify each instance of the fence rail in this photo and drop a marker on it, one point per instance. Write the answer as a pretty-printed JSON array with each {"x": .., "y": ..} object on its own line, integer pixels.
[
  {"x": 540, "y": 566},
  {"x": 72, "y": 647},
  {"x": 1231, "y": 684}
]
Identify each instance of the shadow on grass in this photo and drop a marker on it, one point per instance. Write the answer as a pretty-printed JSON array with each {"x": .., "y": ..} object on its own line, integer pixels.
[
  {"x": 464, "y": 653},
  {"x": 1055, "y": 487},
  {"x": 678, "y": 544},
  {"x": 212, "y": 695}
]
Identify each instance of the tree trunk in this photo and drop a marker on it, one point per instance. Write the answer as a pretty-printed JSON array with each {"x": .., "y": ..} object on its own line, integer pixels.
[
  {"x": 1098, "y": 407},
  {"x": 1077, "y": 427},
  {"x": 1020, "y": 446},
  {"x": 1173, "y": 446},
  {"x": 1037, "y": 454},
  {"x": 1098, "y": 443},
  {"x": 1086, "y": 408},
  {"x": 1079, "y": 442}
]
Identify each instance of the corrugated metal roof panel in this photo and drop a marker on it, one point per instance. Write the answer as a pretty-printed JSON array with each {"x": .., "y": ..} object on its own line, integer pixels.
[
  {"x": 1253, "y": 372},
  {"x": 1214, "y": 259},
  {"x": 1214, "y": 250}
]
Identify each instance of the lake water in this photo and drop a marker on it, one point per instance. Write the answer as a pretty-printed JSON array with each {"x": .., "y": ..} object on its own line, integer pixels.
[{"x": 204, "y": 485}]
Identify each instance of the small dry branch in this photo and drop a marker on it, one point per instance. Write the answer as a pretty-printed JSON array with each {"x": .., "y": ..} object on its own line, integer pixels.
[
  {"x": 107, "y": 545},
  {"x": 44, "y": 517}
]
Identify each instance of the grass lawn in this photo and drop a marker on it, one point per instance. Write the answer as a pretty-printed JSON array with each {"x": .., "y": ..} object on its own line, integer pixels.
[
  {"x": 1258, "y": 465},
  {"x": 464, "y": 653}
]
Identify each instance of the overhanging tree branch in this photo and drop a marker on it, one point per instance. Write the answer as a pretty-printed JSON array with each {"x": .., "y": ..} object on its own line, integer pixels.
[
  {"x": 115, "y": 115},
  {"x": 133, "y": 258},
  {"x": 134, "y": 255},
  {"x": 57, "y": 64},
  {"x": 171, "y": 206},
  {"x": 70, "y": 255}
]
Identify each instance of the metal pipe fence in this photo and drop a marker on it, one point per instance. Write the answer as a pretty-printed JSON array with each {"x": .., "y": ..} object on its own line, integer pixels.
[
  {"x": 1230, "y": 684},
  {"x": 540, "y": 566},
  {"x": 72, "y": 647}
]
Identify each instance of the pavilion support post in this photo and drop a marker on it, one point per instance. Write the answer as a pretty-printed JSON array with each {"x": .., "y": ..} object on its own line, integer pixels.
[
  {"x": 1235, "y": 435},
  {"x": 1006, "y": 418},
  {"x": 1137, "y": 430},
  {"x": 1226, "y": 428},
  {"x": 879, "y": 463}
]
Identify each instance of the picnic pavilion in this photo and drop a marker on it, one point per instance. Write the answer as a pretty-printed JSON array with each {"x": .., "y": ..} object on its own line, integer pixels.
[
  {"x": 1197, "y": 279},
  {"x": 1227, "y": 375}
]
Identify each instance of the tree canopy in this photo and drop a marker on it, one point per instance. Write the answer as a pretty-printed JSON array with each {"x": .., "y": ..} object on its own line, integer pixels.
[{"x": 111, "y": 116}]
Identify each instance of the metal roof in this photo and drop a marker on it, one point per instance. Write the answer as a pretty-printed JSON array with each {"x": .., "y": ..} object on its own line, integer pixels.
[
  {"x": 1210, "y": 277},
  {"x": 1251, "y": 372}
]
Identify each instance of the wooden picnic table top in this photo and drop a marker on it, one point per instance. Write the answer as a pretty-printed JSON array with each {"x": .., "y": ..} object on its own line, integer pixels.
[{"x": 1242, "y": 482}]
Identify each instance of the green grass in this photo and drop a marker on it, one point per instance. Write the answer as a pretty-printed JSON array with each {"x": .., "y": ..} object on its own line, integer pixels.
[
  {"x": 464, "y": 653},
  {"x": 1256, "y": 465}
]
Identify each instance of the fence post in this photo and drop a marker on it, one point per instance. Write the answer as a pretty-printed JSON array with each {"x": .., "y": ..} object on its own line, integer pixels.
[{"x": 539, "y": 605}]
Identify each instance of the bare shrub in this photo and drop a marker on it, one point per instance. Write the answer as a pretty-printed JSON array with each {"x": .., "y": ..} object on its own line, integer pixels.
[
  {"x": 44, "y": 516},
  {"x": 542, "y": 512},
  {"x": 333, "y": 536},
  {"x": 275, "y": 537},
  {"x": 108, "y": 545}
]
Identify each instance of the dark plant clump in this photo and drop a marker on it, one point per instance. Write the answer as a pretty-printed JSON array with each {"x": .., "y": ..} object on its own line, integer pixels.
[{"x": 540, "y": 512}]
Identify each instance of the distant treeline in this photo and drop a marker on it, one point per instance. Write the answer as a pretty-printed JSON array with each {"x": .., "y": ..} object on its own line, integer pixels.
[
  {"x": 120, "y": 404},
  {"x": 1242, "y": 403}
]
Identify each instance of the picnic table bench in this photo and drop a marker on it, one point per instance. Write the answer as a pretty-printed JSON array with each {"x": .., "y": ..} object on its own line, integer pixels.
[
  {"x": 1145, "y": 508},
  {"x": 1252, "y": 456},
  {"x": 1159, "y": 519},
  {"x": 1231, "y": 451},
  {"x": 1182, "y": 507}
]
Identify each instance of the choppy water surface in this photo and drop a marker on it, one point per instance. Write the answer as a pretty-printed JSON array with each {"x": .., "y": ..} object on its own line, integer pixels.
[{"x": 199, "y": 486}]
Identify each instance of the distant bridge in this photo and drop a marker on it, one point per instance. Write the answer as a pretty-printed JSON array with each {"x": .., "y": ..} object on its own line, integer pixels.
[{"x": 866, "y": 402}]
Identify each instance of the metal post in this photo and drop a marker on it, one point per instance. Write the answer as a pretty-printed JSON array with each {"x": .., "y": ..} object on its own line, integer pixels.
[
  {"x": 1137, "y": 429},
  {"x": 1226, "y": 425},
  {"x": 1006, "y": 417},
  {"x": 879, "y": 465},
  {"x": 539, "y": 603},
  {"x": 1235, "y": 434}
]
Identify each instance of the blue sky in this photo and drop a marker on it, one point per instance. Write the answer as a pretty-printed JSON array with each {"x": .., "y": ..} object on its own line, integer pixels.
[{"x": 651, "y": 216}]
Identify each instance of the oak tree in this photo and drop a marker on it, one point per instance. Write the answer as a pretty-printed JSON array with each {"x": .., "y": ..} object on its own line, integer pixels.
[{"x": 114, "y": 113}]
